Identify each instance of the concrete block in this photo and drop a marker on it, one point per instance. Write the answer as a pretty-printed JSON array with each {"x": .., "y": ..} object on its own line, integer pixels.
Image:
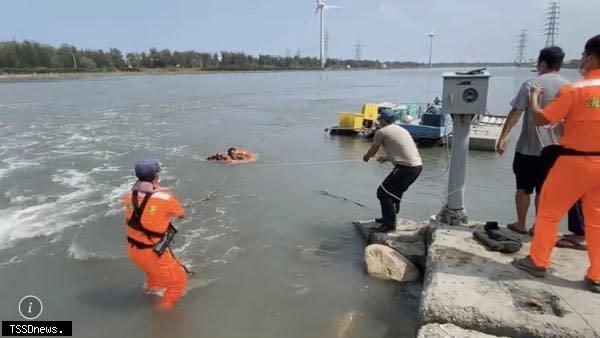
[
  {"x": 480, "y": 290},
  {"x": 449, "y": 331}
]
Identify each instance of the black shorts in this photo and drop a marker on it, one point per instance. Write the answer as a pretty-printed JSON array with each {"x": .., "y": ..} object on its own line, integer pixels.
[{"x": 529, "y": 172}]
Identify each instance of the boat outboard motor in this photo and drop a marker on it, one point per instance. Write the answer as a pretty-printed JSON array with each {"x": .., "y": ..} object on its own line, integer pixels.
[{"x": 433, "y": 117}]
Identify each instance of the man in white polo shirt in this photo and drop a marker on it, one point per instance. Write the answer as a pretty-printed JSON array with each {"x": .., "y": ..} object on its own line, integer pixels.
[{"x": 402, "y": 151}]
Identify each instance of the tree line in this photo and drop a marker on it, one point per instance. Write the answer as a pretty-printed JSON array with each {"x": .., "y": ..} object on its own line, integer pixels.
[{"x": 31, "y": 56}]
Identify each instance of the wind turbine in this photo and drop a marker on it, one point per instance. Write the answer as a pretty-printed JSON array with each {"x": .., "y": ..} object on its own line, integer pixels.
[
  {"x": 430, "y": 35},
  {"x": 322, "y": 6}
]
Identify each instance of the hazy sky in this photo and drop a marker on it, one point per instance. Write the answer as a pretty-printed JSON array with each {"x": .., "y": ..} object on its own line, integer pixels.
[{"x": 466, "y": 30}]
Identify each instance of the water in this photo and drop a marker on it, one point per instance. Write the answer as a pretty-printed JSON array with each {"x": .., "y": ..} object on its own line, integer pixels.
[{"x": 277, "y": 258}]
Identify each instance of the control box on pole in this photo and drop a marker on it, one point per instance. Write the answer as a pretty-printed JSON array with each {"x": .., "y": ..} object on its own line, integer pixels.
[
  {"x": 465, "y": 93},
  {"x": 464, "y": 96}
]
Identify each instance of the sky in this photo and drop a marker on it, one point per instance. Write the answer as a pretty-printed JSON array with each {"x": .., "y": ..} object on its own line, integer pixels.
[{"x": 389, "y": 30}]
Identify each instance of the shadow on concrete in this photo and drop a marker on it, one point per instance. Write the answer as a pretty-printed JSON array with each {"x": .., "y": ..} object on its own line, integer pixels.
[{"x": 455, "y": 260}]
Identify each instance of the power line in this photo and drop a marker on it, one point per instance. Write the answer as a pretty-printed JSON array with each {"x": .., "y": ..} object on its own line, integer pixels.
[
  {"x": 430, "y": 35},
  {"x": 552, "y": 23},
  {"x": 521, "y": 45},
  {"x": 326, "y": 46},
  {"x": 358, "y": 50}
]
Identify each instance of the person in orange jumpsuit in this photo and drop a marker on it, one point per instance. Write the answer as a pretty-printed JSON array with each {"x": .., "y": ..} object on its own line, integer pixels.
[
  {"x": 148, "y": 210},
  {"x": 576, "y": 172}
]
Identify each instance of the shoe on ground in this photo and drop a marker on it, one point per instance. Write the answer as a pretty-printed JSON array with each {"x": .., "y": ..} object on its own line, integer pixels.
[
  {"x": 527, "y": 265},
  {"x": 383, "y": 228},
  {"x": 593, "y": 286}
]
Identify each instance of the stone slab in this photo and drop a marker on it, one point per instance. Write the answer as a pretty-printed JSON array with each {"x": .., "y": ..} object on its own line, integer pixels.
[
  {"x": 480, "y": 290},
  {"x": 449, "y": 331}
]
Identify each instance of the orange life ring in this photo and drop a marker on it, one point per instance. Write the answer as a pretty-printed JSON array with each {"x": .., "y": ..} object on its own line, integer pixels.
[
  {"x": 243, "y": 156},
  {"x": 247, "y": 157}
]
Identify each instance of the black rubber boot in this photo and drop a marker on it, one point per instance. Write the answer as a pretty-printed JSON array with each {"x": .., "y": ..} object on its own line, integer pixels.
[{"x": 384, "y": 228}]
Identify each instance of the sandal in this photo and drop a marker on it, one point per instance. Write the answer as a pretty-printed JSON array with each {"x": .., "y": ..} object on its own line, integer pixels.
[
  {"x": 527, "y": 265},
  {"x": 570, "y": 243},
  {"x": 593, "y": 286},
  {"x": 513, "y": 227}
]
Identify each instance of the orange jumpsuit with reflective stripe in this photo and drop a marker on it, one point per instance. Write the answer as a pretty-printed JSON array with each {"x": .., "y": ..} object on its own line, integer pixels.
[
  {"x": 162, "y": 272},
  {"x": 573, "y": 177}
]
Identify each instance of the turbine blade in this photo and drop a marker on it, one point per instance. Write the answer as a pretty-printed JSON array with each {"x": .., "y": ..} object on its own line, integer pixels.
[{"x": 328, "y": 7}]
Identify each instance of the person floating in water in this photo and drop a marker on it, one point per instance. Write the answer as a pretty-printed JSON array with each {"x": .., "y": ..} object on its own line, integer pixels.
[
  {"x": 233, "y": 156},
  {"x": 148, "y": 210}
]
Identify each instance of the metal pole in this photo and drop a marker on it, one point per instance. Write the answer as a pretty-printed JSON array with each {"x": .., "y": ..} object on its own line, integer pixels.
[
  {"x": 453, "y": 212},
  {"x": 430, "y": 48},
  {"x": 322, "y": 38},
  {"x": 74, "y": 61}
]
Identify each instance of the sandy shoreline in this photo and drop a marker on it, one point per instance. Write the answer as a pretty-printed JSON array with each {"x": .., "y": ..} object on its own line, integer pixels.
[{"x": 82, "y": 75}]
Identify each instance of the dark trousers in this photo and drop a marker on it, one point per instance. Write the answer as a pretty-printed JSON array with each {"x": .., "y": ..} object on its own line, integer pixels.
[
  {"x": 576, "y": 219},
  {"x": 390, "y": 192}
]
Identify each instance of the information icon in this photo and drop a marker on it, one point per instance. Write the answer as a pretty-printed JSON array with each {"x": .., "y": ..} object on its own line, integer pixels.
[{"x": 30, "y": 307}]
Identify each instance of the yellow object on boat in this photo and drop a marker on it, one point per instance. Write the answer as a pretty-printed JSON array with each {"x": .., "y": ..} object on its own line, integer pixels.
[
  {"x": 350, "y": 121},
  {"x": 370, "y": 111}
]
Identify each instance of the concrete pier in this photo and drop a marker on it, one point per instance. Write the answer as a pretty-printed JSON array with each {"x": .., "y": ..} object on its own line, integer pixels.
[{"x": 482, "y": 295}]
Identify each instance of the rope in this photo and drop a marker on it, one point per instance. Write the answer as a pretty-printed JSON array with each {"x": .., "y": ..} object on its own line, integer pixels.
[
  {"x": 303, "y": 163},
  {"x": 327, "y": 193},
  {"x": 211, "y": 195},
  {"x": 402, "y": 200},
  {"x": 185, "y": 268}
]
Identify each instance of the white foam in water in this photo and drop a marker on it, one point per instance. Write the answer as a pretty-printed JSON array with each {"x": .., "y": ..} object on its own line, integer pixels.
[
  {"x": 76, "y": 252},
  {"x": 219, "y": 261},
  {"x": 198, "y": 158},
  {"x": 190, "y": 237},
  {"x": 77, "y": 138},
  {"x": 232, "y": 251},
  {"x": 13, "y": 260},
  {"x": 50, "y": 217},
  {"x": 114, "y": 199},
  {"x": 13, "y": 164},
  {"x": 20, "y": 199},
  {"x": 176, "y": 150},
  {"x": 73, "y": 178},
  {"x": 107, "y": 168},
  {"x": 110, "y": 113},
  {"x": 213, "y": 237},
  {"x": 199, "y": 283},
  {"x": 299, "y": 288},
  {"x": 158, "y": 292}
]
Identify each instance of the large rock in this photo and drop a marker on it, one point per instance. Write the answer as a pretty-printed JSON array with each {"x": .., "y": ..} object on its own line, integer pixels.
[
  {"x": 408, "y": 239},
  {"x": 386, "y": 263},
  {"x": 480, "y": 290},
  {"x": 449, "y": 330}
]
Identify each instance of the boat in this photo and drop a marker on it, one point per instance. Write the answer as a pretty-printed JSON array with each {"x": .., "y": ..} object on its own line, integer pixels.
[
  {"x": 426, "y": 123},
  {"x": 485, "y": 132}
]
